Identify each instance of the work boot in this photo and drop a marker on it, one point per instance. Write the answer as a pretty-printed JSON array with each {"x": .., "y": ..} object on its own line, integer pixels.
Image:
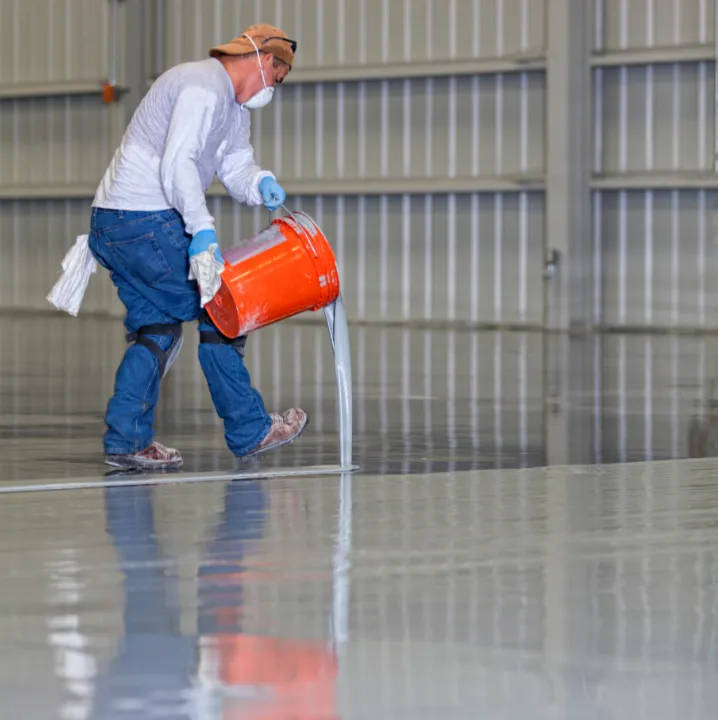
[
  {"x": 286, "y": 428},
  {"x": 155, "y": 457}
]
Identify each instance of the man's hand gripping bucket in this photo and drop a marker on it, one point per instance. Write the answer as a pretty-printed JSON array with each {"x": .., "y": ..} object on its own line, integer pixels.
[{"x": 287, "y": 269}]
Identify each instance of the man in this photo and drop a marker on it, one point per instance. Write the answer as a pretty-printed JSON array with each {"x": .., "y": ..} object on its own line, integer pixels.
[{"x": 151, "y": 229}]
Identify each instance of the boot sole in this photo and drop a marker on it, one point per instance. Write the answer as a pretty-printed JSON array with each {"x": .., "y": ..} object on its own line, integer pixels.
[
  {"x": 118, "y": 461},
  {"x": 256, "y": 453}
]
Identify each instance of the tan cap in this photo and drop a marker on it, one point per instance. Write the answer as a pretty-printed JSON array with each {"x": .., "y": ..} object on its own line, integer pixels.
[{"x": 266, "y": 37}]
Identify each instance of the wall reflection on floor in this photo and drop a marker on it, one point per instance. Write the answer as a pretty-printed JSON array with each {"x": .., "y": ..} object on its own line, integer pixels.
[
  {"x": 566, "y": 593},
  {"x": 424, "y": 399}
]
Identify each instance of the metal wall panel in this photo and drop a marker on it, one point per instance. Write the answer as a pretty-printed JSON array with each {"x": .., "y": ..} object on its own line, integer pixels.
[
  {"x": 475, "y": 258},
  {"x": 464, "y": 258},
  {"x": 655, "y": 256},
  {"x": 654, "y": 250},
  {"x": 59, "y": 141},
  {"x": 655, "y": 117},
  {"x": 440, "y": 127},
  {"x": 35, "y": 235},
  {"x": 363, "y": 32},
  {"x": 467, "y": 258},
  {"x": 637, "y": 24},
  {"x": 62, "y": 40}
]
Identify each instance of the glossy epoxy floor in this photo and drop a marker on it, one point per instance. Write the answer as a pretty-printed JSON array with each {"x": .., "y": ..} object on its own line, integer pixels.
[{"x": 452, "y": 578}]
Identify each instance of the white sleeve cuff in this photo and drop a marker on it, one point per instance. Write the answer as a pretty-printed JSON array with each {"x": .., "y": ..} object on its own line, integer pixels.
[{"x": 254, "y": 197}]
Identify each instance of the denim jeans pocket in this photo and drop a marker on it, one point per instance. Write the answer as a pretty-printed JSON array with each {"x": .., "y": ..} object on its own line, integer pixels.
[{"x": 142, "y": 258}]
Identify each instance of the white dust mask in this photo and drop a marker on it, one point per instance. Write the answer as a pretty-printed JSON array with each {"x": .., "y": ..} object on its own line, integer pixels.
[{"x": 265, "y": 95}]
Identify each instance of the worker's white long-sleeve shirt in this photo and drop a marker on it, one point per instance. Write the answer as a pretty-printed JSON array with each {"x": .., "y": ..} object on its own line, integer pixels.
[{"x": 187, "y": 129}]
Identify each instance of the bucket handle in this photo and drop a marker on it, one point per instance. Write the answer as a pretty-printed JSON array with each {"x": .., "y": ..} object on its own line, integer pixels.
[{"x": 301, "y": 227}]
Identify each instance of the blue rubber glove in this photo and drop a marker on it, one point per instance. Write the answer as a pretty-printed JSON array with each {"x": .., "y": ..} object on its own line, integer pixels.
[
  {"x": 201, "y": 242},
  {"x": 272, "y": 193}
]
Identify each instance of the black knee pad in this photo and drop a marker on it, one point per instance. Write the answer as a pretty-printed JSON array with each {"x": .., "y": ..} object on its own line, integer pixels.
[
  {"x": 210, "y": 337},
  {"x": 165, "y": 357}
]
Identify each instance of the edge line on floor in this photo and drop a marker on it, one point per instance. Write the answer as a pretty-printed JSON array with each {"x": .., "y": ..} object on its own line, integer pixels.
[{"x": 128, "y": 480}]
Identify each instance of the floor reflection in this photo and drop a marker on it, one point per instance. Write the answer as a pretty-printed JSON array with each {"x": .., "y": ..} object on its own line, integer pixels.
[
  {"x": 425, "y": 400},
  {"x": 225, "y": 670},
  {"x": 580, "y": 592}
]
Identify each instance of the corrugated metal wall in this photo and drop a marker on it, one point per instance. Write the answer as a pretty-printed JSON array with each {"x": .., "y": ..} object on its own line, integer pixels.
[
  {"x": 414, "y": 130},
  {"x": 357, "y": 143},
  {"x": 387, "y": 166},
  {"x": 654, "y": 103},
  {"x": 425, "y": 257},
  {"x": 56, "y": 137},
  {"x": 367, "y": 33},
  {"x": 46, "y": 41}
]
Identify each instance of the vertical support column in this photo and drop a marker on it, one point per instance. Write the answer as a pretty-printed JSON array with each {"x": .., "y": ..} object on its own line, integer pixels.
[
  {"x": 715, "y": 84},
  {"x": 138, "y": 25},
  {"x": 568, "y": 158},
  {"x": 569, "y": 261},
  {"x": 569, "y": 293}
]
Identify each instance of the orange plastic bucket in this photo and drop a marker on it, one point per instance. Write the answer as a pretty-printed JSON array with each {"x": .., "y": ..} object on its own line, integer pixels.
[{"x": 287, "y": 269}]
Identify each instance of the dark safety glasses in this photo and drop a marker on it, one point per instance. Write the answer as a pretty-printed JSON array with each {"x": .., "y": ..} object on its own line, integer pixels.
[{"x": 292, "y": 43}]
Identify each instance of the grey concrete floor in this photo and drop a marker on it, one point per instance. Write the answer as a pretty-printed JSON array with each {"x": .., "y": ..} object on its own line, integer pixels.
[{"x": 453, "y": 577}]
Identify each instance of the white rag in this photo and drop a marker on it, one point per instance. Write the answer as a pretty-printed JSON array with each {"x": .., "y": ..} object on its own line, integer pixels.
[
  {"x": 77, "y": 266},
  {"x": 207, "y": 271}
]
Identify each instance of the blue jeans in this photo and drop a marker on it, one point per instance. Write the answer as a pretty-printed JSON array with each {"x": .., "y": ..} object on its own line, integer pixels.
[{"x": 146, "y": 254}]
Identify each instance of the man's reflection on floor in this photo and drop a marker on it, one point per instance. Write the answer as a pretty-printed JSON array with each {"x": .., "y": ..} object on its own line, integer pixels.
[{"x": 222, "y": 673}]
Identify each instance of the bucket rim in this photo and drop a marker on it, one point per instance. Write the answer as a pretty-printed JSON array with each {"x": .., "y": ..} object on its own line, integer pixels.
[
  {"x": 303, "y": 213},
  {"x": 319, "y": 229},
  {"x": 324, "y": 261},
  {"x": 291, "y": 214}
]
